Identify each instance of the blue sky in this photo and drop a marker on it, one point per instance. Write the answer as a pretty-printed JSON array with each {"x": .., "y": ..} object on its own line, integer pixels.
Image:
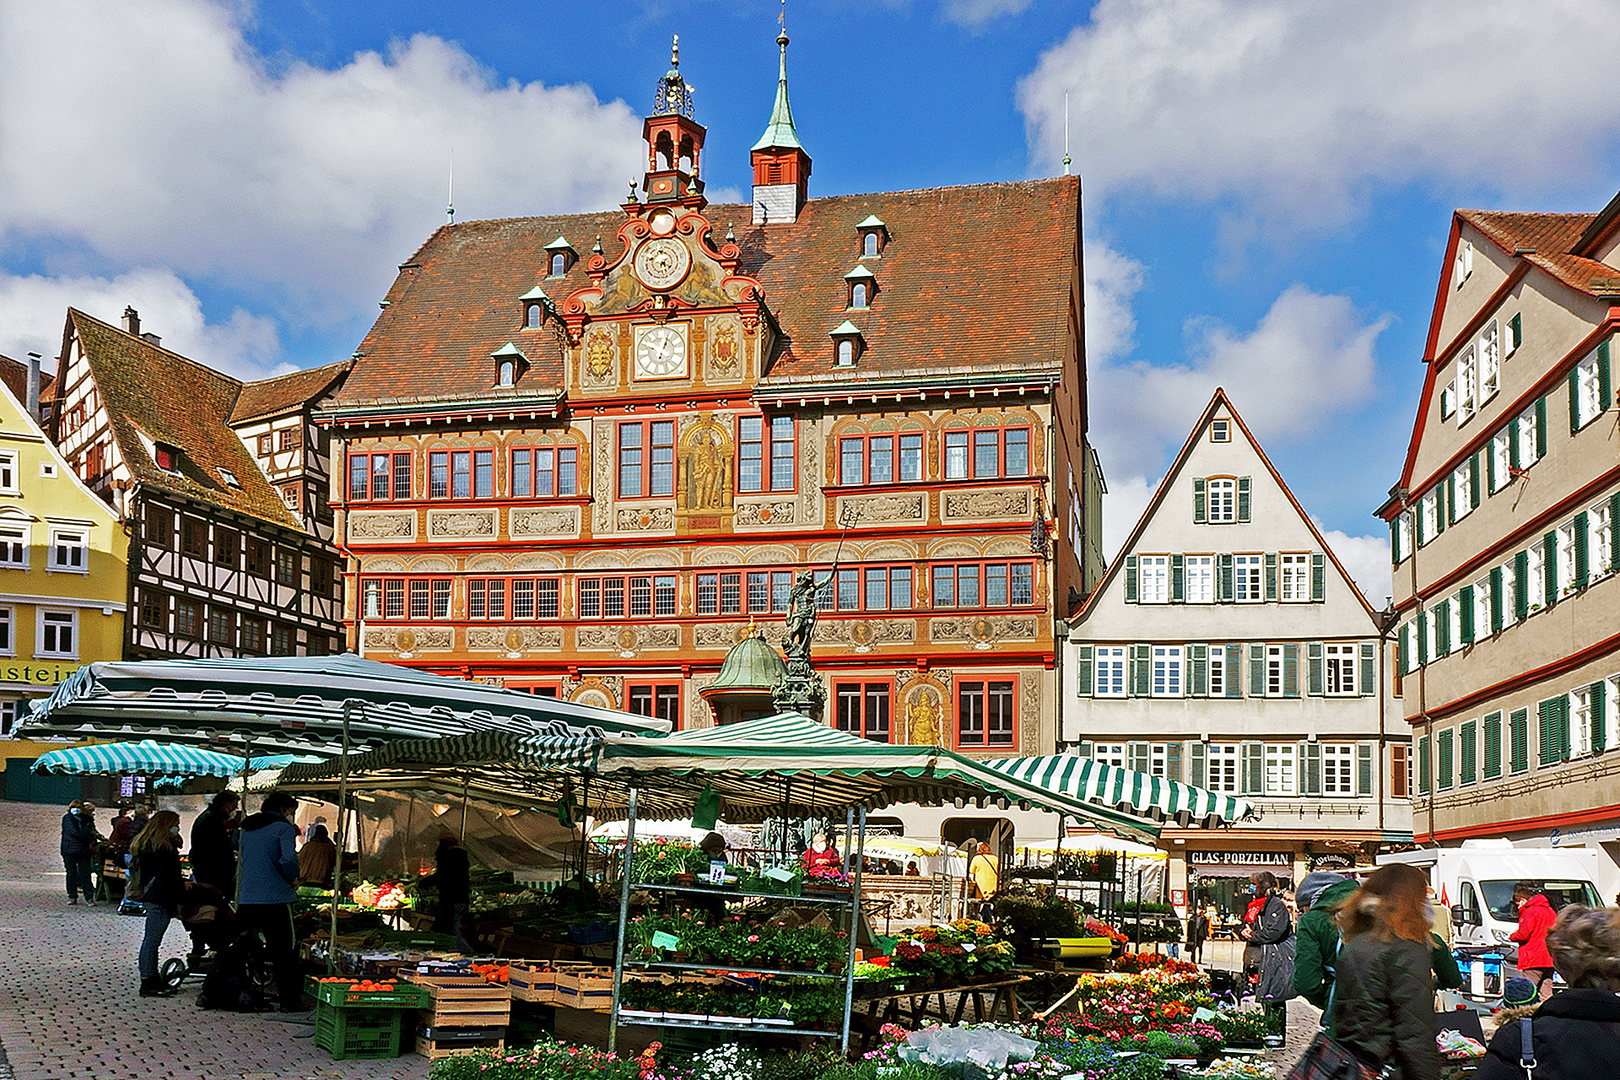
[{"x": 1268, "y": 182}]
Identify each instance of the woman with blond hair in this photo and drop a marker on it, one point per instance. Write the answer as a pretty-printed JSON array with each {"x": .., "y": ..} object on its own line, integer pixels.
[
  {"x": 1383, "y": 994},
  {"x": 155, "y": 870},
  {"x": 1575, "y": 1034}
]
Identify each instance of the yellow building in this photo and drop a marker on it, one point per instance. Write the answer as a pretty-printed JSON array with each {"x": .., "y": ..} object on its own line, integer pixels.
[{"x": 63, "y": 573}]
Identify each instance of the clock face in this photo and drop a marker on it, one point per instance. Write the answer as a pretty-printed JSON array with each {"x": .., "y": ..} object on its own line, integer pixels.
[
  {"x": 661, "y": 352},
  {"x": 661, "y": 263}
]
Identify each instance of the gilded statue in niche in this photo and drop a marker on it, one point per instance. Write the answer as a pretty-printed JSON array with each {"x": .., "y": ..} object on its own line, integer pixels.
[
  {"x": 707, "y": 462},
  {"x": 922, "y": 719}
]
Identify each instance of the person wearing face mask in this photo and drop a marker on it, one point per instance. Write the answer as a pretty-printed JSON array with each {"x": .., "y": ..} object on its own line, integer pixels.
[
  {"x": 155, "y": 868},
  {"x": 1274, "y": 933},
  {"x": 821, "y": 854},
  {"x": 78, "y": 841},
  {"x": 266, "y": 894}
]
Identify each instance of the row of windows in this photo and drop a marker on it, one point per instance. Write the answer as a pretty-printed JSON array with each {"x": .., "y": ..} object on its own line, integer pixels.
[
  {"x": 1263, "y": 769},
  {"x": 1580, "y": 723},
  {"x": 220, "y": 624},
  {"x": 229, "y": 548},
  {"x": 1511, "y": 450},
  {"x": 67, "y": 552},
  {"x": 1561, "y": 562},
  {"x": 1334, "y": 669},
  {"x": 56, "y": 633},
  {"x": 1479, "y": 369},
  {"x": 738, "y": 592},
  {"x": 1290, "y": 577}
]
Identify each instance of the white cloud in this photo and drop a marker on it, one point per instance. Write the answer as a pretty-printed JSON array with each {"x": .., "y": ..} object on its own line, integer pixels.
[
  {"x": 34, "y": 308},
  {"x": 1310, "y": 357},
  {"x": 149, "y": 132},
  {"x": 1122, "y": 507},
  {"x": 1112, "y": 282},
  {"x": 1289, "y": 107},
  {"x": 974, "y": 14},
  {"x": 1366, "y": 560}
]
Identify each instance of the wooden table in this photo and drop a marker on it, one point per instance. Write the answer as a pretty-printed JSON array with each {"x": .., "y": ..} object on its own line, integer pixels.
[{"x": 921, "y": 1003}]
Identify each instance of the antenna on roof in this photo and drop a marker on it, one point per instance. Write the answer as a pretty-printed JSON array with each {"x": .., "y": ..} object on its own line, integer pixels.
[
  {"x": 1065, "y": 129},
  {"x": 450, "y": 199}
]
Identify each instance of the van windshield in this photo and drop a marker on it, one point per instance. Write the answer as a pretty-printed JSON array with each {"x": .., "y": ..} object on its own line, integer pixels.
[{"x": 1499, "y": 896}]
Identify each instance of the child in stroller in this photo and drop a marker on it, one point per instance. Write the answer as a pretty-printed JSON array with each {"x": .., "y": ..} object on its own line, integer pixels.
[{"x": 207, "y": 916}]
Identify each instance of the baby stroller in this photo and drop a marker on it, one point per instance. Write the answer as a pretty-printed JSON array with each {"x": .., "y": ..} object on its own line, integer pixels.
[{"x": 208, "y": 918}]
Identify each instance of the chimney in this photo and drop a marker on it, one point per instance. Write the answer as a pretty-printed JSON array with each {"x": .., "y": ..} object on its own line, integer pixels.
[
  {"x": 33, "y": 386},
  {"x": 132, "y": 321},
  {"x": 152, "y": 338}
]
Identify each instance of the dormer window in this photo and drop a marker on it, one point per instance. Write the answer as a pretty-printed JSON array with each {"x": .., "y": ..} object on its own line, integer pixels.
[
  {"x": 560, "y": 257},
  {"x": 510, "y": 363},
  {"x": 874, "y": 237},
  {"x": 862, "y": 285},
  {"x": 229, "y": 478},
  {"x": 166, "y": 457},
  {"x": 847, "y": 345},
  {"x": 535, "y": 302}
]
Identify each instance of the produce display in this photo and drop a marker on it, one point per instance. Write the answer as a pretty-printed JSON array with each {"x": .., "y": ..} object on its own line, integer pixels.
[{"x": 383, "y": 895}]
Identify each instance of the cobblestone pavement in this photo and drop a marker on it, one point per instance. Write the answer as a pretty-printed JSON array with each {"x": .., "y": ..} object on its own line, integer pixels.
[{"x": 68, "y": 1007}]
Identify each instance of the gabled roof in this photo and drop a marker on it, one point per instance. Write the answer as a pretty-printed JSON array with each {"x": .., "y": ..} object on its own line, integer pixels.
[
  {"x": 285, "y": 393},
  {"x": 976, "y": 282},
  {"x": 1215, "y": 404},
  {"x": 1551, "y": 240},
  {"x": 149, "y": 390},
  {"x": 14, "y": 374}
]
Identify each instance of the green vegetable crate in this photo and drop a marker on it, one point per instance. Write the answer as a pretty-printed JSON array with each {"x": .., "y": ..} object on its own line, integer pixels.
[{"x": 357, "y": 1033}]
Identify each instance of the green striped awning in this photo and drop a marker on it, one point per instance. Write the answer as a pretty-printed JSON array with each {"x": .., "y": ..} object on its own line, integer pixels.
[
  {"x": 1126, "y": 790},
  {"x": 147, "y": 757}
]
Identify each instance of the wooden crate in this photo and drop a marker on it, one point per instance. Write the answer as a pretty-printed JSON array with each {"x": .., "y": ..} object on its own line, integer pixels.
[
  {"x": 534, "y": 981},
  {"x": 585, "y": 988},
  {"x": 434, "y": 1049},
  {"x": 464, "y": 1000}
]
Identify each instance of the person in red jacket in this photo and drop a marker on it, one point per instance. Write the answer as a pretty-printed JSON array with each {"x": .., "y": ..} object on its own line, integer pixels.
[{"x": 1535, "y": 919}]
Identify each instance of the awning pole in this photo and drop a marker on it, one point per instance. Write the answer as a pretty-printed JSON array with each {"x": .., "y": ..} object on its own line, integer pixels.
[
  {"x": 466, "y": 783},
  {"x": 342, "y": 825},
  {"x": 624, "y": 917},
  {"x": 854, "y": 920},
  {"x": 247, "y": 756}
]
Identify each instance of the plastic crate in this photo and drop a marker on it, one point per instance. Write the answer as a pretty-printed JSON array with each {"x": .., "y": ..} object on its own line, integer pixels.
[
  {"x": 357, "y": 1033},
  {"x": 345, "y": 996}
]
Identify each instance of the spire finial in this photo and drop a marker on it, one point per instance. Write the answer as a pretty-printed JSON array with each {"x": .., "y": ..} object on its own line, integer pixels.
[
  {"x": 674, "y": 95},
  {"x": 675, "y": 52},
  {"x": 780, "y": 132},
  {"x": 781, "y": 21}
]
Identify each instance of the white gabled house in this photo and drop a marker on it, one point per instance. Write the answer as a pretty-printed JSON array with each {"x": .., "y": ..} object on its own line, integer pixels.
[{"x": 1227, "y": 647}]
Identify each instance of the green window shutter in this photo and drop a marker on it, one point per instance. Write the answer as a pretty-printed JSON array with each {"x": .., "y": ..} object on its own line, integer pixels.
[
  {"x": 1200, "y": 765},
  {"x": 1313, "y": 669},
  {"x": 1130, "y": 579},
  {"x": 1541, "y": 428},
  {"x": 1449, "y": 492},
  {"x": 1141, "y": 670},
  {"x": 1198, "y": 670},
  {"x": 1271, "y": 575},
  {"x": 1473, "y": 482},
  {"x": 1516, "y": 331},
  {"x": 1172, "y": 761},
  {"x": 1493, "y": 747},
  {"x": 1318, "y": 576},
  {"x": 1521, "y": 578},
  {"x": 1200, "y": 502},
  {"x": 1465, "y": 615},
  {"x": 1254, "y": 768},
  {"x": 1228, "y": 579},
  {"x": 1234, "y": 671},
  {"x": 1423, "y": 638},
  {"x": 1364, "y": 769},
  {"x": 1614, "y": 531},
  {"x": 1243, "y": 498},
  {"x": 1549, "y": 568},
  {"x": 1310, "y": 768},
  {"x": 1405, "y": 649},
  {"x": 1490, "y": 470},
  {"x": 1496, "y": 599},
  {"x": 1561, "y": 732},
  {"x": 1257, "y": 671},
  {"x": 1369, "y": 676},
  {"x": 1519, "y": 740},
  {"x": 1291, "y": 670},
  {"x": 1417, "y": 524},
  {"x": 1467, "y": 747},
  {"x": 1515, "y": 454},
  {"x": 1424, "y": 780},
  {"x": 1603, "y": 374},
  {"x": 1446, "y": 757},
  {"x": 1395, "y": 555},
  {"x": 1082, "y": 677},
  {"x": 1600, "y": 733},
  {"x": 1136, "y": 756},
  {"x": 1582, "y": 570},
  {"x": 1442, "y": 628},
  {"x": 1178, "y": 578},
  {"x": 1574, "y": 400},
  {"x": 1547, "y": 732},
  {"x": 1439, "y": 509}
]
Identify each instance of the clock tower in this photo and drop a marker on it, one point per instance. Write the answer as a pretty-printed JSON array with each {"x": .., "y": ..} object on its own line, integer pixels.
[{"x": 674, "y": 140}]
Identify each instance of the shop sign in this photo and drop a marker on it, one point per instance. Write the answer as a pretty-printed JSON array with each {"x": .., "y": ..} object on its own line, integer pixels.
[
  {"x": 1241, "y": 858},
  {"x": 1332, "y": 861}
]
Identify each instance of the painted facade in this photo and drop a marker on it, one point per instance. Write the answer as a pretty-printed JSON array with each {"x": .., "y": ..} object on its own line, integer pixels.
[
  {"x": 584, "y": 454},
  {"x": 1227, "y": 648},
  {"x": 63, "y": 571},
  {"x": 1502, "y": 526}
]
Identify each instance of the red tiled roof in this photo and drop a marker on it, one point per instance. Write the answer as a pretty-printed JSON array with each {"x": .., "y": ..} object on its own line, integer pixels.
[
  {"x": 149, "y": 390},
  {"x": 974, "y": 279},
  {"x": 285, "y": 393},
  {"x": 1553, "y": 236},
  {"x": 14, "y": 374}
]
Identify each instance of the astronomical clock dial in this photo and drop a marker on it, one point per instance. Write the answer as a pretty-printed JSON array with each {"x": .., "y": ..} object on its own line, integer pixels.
[
  {"x": 662, "y": 262},
  {"x": 661, "y": 352}
]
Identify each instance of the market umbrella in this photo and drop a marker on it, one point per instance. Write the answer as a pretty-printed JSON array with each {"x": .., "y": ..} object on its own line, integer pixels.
[
  {"x": 146, "y": 757},
  {"x": 1126, "y": 790}
]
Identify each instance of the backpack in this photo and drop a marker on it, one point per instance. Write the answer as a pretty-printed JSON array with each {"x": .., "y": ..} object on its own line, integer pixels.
[{"x": 133, "y": 889}]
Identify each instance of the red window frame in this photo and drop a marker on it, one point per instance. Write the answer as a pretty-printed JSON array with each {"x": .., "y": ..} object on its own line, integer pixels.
[
  {"x": 982, "y": 583},
  {"x": 776, "y": 442},
  {"x": 661, "y": 701},
  {"x": 634, "y": 596},
  {"x": 383, "y": 476},
  {"x": 520, "y": 599},
  {"x": 971, "y": 469},
  {"x": 528, "y": 470},
  {"x": 986, "y": 712},
  {"x": 854, "y": 704},
  {"x": 400, "y": 598},
  {"x": 646, "y": 468}
]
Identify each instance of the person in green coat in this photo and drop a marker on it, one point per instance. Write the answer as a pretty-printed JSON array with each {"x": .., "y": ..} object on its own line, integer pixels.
[{"x": 1318, "y": 942}]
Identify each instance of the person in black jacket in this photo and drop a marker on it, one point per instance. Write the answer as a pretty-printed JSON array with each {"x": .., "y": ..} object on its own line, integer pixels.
[
  {"x": 1274, "y": 933},
  {"x": 78, "y": 843},
  {"x": 452, "y": 873},
  {"x": 1383, "y": 996},
  {"x": 213, "y": 850},
  {"x": 1575, "y": 1034},
  {"x": 155, "y": 866}
]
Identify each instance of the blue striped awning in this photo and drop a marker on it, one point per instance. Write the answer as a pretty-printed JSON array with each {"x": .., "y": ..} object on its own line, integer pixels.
[{"x": 146, "y": 757}]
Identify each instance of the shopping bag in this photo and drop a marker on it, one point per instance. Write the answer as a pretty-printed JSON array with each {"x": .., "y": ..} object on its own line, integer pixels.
[{"x": 1325, "y": 1059}]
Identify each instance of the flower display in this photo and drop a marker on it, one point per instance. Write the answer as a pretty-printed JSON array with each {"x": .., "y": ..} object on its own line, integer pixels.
[{"x": 965, "y": 950}]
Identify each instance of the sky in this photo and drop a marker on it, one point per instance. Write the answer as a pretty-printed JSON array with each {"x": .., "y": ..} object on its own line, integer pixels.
[{"x": 1268, "y": 184}]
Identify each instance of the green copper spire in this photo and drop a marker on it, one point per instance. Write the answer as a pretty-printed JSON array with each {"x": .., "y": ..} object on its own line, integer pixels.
[{"x": 780, "y": 133}]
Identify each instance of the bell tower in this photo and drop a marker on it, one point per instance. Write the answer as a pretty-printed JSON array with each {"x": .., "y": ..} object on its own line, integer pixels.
[
  {"x": 781, "y": 167},
  {"x": 674, "y": 139}
]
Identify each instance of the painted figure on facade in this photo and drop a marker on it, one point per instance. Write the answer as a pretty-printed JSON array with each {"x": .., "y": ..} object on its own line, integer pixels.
[
  {"x": 708, "y": 472},
  {"x": 922, "y": 720}
]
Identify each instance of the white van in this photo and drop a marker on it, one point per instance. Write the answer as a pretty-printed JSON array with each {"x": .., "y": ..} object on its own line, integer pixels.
[{"x": 1477, "y": 881}]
